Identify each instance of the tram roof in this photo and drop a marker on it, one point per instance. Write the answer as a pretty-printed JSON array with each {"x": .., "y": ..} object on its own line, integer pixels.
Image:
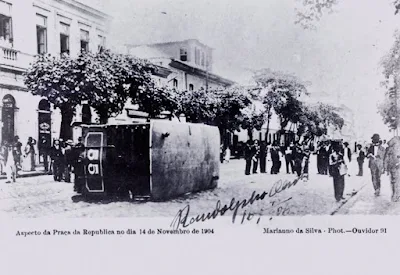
[{"x": 112, "y": 124}]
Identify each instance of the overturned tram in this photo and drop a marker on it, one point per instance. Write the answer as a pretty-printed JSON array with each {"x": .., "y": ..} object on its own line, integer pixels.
[{"x": 156, "y": 160}]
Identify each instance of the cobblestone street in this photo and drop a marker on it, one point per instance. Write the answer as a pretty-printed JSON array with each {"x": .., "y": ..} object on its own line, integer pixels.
[{"x": 41, "y": 197}]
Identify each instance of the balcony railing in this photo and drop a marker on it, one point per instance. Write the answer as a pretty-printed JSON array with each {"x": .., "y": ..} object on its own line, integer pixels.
[
  {"x": 9, "y": 54},
  {"x": 14, "y": 58}
]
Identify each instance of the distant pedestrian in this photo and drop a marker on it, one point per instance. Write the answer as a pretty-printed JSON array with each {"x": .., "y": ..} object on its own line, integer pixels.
[
  {"x": 29, "y": 154},
  {"x": 263, "y": 156},
  {"x": 338, "y": 170},
  {"x": 324, "y": 151},
  {"x": 376, "y": 154},
  {"x": 298, "y": 158},
  {"x": 227, "y": 156},
  {"x": 58, "y": 160},
  {"x": 346, "y": 153},
  {"x": 360, "y": 160},
  {"x": 248, "y": 156},
  {"x": 68, "y": 160},
  {"x": 17, "y": 151},
  {"x": 275, "y": 158},
  {"x": 306, "y": 160},
  {"x": 10, "y": 164},
  {"x": 256, "y": 155},
  {"x": 289, "y": 158},
  {"x": 221, "y": 153},
  {"x": 3, "y": 159},
  {"x": 44, "y": 152}
]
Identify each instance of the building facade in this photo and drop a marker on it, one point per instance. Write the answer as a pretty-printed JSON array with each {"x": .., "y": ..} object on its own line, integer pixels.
[
  {"x": 29, "y": 28},
  {"x": 190, "y": 63}
]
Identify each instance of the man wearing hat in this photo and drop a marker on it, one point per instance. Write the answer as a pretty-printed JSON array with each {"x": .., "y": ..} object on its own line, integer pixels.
[
  {"x": 376, "y": 154},
  {"x": 69, "y": 160}
]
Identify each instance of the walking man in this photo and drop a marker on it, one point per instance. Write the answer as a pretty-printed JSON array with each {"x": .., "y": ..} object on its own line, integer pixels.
[
  {"x": 376, "y": 154},
  {"x": 360, "y": 160}
]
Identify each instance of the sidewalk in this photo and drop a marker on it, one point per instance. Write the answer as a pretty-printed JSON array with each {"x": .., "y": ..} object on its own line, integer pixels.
[
  {"x": 365, "y": 203},
  {"x": 22, "y": 174}
]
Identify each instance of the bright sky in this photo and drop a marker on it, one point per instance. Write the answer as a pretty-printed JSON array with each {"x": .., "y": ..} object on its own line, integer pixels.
[{"x": 340, "y": 58}]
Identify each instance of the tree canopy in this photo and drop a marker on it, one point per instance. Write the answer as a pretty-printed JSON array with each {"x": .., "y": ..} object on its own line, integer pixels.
[
  {"x": 390, "y": 63},
  {"x": 281, "y": 93},
  {"x": 312, "y": 11},
  {"x": 104, "y": 79},
  {"x": 219, "y": 107}
]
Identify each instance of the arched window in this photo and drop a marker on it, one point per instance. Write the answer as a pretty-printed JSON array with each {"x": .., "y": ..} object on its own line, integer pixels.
[
  {"x": 44, "y": 105},
  {"x": 175, "y": 83},
  {"x": 8, "y": 118},
  {"x": 191, "y": 87}
]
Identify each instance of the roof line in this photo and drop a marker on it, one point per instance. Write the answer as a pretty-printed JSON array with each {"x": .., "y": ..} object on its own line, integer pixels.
[{"x": 169, "y": 42}]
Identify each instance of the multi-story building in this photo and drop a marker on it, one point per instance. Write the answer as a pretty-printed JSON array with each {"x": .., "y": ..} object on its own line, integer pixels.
[
  {"x": 190, "y": 61},
  {"x": 33, "y": 27}
]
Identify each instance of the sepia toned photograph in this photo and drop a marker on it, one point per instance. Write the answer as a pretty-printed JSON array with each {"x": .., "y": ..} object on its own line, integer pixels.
[{"x": 194, "y": 110}]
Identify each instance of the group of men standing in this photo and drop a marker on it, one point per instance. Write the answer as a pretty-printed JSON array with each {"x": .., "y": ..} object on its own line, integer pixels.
[
  {"x": 64, "y": 157},
  {"x": 381, "y": 157},
  {"x": 295, "y": 155}
]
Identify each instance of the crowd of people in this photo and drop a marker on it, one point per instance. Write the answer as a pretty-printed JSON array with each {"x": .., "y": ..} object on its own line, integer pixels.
[
  {"x": 13, "y": 158},
  {"x": 295, "y": 156},
  {"x": 381, "y": 157},
  {"x": 59, "y": 160},
  {"x": 333, "y": 158}
]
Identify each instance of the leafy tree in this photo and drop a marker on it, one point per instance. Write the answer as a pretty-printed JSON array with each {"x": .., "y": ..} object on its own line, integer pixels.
[
  {"x": 389, "y": 110},
  {"x": 104, "y": 79},
  {"x": 313, "y": 10},
  {"x": 231, "y": 103},
  {"x": 198, "y": 106},
  {"x": 218, "y": 107},
  {"x": 253, "y": 119},
  {"x": 51, "y": 77},
  {"x": 309, "y": 123},
  {"x": 280, "y": 92},
  {"x": 330, "y": 116},
  {"x": 315, "y": 120},
  {"x": 390, "y": 63}
]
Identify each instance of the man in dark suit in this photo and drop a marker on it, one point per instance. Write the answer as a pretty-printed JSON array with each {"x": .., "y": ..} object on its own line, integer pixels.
[
  {"x": 360, "y": 160},
  {"x": 376, "y": 154},
  {"x": 248, "y": 156},
  {"x": 263, "y": 156}
]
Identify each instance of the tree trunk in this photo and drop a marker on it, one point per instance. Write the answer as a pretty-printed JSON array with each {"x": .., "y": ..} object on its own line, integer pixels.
[
  {"x": 267, "y": 132},
  {"x": 103, "y": 119},
  {"x": 67, "y": 114},
  {"x": 250, "y": 133}
]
